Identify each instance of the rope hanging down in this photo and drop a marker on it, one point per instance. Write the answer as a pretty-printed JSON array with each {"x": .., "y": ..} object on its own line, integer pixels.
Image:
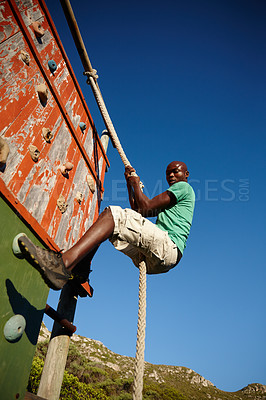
[
  {"x": 92, "y": 80},
  {"x": 140, "y": 346},
  {"x": 107, "y": 120}
]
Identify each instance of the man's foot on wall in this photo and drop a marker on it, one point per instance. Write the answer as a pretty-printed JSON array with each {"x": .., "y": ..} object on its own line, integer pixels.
[{"x": 49, "y": 263}]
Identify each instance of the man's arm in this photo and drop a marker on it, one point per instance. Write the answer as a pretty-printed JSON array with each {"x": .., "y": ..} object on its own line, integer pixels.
[
  {"x": 131, "y": 197},
  {"x": 140, "y": 202},
  {"x": 130, "y": 190}
]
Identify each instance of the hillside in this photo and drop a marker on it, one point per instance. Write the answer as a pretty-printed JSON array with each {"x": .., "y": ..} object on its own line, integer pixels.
[{"x": 112, "y": 375}]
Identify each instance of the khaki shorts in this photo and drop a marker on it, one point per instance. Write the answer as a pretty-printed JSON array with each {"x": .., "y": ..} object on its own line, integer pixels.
[{"x": 140, "y": 239}]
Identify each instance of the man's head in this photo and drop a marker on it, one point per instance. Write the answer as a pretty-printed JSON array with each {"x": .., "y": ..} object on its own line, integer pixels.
[{"x": 176, "y": 171}]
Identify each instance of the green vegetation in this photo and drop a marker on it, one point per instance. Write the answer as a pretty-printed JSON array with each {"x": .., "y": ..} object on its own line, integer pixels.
[
  {"x": 161, "y": 392},
  {"x": 94, "y": 372},
  {"x": 72, "y": 388},
  {"x": 85, "y": 379}
]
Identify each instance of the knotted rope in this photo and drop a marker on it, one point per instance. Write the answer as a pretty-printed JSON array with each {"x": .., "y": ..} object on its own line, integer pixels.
[
  {"x": 92, "y": 80},
  {"x": 106, "y": 118},
  {"x": 140, "y": 346}
]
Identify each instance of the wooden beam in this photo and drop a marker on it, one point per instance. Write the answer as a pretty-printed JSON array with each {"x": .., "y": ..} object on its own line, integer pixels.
[{"x": 31, "y": 396}]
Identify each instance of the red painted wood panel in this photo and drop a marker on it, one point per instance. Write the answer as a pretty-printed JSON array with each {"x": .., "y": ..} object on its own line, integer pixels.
[
  {"x": 33, "y": 187},
  {"x": 8, "y": 26}
]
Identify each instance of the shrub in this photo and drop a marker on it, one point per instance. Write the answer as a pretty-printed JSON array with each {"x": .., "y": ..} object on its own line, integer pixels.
[
  {"x": 35, "y": 375},
  {"x": 124, "y": 396},
  {"x": 116, "y": 387},
  {"x": 94, "y": 375},
  {"x": 73, "y": 389},
  {"x": 161, "y": 392}
]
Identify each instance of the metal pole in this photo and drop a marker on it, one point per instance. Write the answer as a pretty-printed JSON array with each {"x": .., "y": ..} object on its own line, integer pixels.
[{"x": 59, "y": 318}]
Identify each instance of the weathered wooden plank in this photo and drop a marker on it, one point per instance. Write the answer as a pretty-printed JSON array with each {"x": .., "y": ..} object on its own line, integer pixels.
[
  {"x": 48, "y": 163},
  {"x": 77, "y": 183},
  {"x": 24, "y": 5},
  {"x": 30, "y": 11},
  {"x": 11, "y": 66},
  {"x": 14, "y": 72},
  {"x": 31, "y": 396},
  {"x": 24, "y": 131},
  {"x": 41, "y": 186},
  {"x": 89, "y": 142},
  {"x": 46, "y": 177},
  {"x": 14, "y": 80},
  {"x": 41, "y": 117},
  {"x": 76, "y": 113},
  {"x": 37, "y": 185},
  {"x": 57, "y": 45},
  {"x": 8, "y": 25}
]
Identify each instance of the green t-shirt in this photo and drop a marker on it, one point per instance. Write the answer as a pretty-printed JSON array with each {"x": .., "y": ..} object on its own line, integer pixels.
[{"x": 176, "y": 220}]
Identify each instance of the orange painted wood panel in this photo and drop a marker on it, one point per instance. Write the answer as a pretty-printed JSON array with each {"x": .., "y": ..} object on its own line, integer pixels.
[
  {"x": 33, "y": 187},
  {"x": 8, "y": 26}
]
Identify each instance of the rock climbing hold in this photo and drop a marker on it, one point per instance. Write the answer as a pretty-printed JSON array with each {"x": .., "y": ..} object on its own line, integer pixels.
[
  {"x": 25, "y": 57},
  {"x": 65, "y": 168},
  {"x": 38, "y": 29},
  {"x": 82, "y": 126},
  {"x": 61, "y": 204},
  {"x": 4, "y": 151},
  {"x": 42, "y": 91},
  {"x": 52, "y": 65},
  {"x": 15, "y": 246},
  {"x": 79, "y": 197},
  {"x": 47, "y": 134},
  {"x": 91, "y": 183},
  {"x": 34, "y": 152},
  {"x": 14, "y": 328}
]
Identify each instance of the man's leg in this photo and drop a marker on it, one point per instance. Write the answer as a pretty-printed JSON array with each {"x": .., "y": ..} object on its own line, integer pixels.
[
  {"x": 101, "y": 230},
  {"x": 55, "y": 267}
]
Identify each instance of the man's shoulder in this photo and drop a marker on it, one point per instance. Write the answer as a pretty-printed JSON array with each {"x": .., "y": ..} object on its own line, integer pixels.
[
  {"x": 181, "y": 186},
  {"x": 182, "y": 190}
]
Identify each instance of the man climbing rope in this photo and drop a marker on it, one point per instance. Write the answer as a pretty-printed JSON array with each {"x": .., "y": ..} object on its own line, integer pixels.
[{"x": 161, "y": 245}]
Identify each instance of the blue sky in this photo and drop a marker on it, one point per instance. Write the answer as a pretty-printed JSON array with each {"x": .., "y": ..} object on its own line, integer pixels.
[{"x": 184, "y": 81}]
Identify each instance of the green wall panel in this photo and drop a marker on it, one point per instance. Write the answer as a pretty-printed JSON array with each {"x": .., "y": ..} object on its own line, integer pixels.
[{"x": 22, "y": 291}]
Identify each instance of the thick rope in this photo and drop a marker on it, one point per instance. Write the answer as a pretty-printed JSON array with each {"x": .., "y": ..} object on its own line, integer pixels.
[
  {"x": 92, "y": 80},
  {"x": 140, "y": 347},
  {"x": 107, "y": 120},
  {"x": 92, "y": 76}
]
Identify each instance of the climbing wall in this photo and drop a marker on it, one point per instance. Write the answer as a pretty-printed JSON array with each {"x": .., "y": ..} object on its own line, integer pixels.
[
  {"x": 51, "y": 182},
  {"x": 46, "y": 123}
]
